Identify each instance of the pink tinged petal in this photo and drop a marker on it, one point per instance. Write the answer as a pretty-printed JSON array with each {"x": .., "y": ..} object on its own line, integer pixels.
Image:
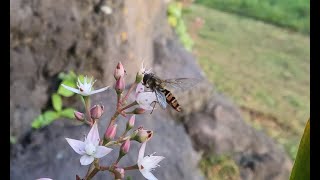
[
  {"x": 140, "y": 88},
  {"x": 148, "y": 175},
  {"x": 93, "y": 135},
  {"x": 141, "y": 152},
  {"x": 102, "y": 151},
  {"x": 99, "y": 90},
  {"x": 77, "y": 146},
  {"x": 77, "y": 91},
  {"x": 86, "y": 160}
]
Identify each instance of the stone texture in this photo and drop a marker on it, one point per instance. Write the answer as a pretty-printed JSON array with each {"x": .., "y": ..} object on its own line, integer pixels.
[{"x": 219, "y": 129}]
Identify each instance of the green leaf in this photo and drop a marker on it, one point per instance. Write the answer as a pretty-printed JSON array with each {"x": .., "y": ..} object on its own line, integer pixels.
[
  {"x": 63, "y": 91},
  {"x": 56, "y": 102},
  {"x": 174, "y": 9},
  {"x": 68, "y": 113},
  {"x": 44, "y": 119},
  {"x": 301, "y": 167},
  {"x": 62, "y": 75},
  {"x": 172, "y": 21},
  {"x": 70, "y": 76}
]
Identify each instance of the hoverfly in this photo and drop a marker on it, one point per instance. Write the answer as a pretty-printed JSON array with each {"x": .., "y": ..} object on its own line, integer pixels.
[{"x": 164, "y": 96}]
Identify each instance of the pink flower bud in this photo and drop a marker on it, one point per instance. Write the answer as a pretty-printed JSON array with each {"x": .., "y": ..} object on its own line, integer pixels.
[
  {"x": 124, "y": 149},
  {"x": 139, "y": 111},
  {"x": 141, "y": 135},
  {"x": 130, "y": 122},
  {"x": 119, "y": 173},
  {"x": 120, "y": 85},
  {"x": 110, "y": 132},
  {"x": 78, "y": 115},
  {"x": 96, "y": 111},
  {"x": 119, "y": 71}
]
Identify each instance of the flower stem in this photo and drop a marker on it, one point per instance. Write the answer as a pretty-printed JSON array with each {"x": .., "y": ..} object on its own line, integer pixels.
[
  {"x": 87, "y": 107},
  {"x": 129, "y": 106},
  {"x": 119, "y": 100},
  {"x": 131, "y": 167},
  {"x": 113, "y": 118},
  {"x": 133, "y": 85},
  {"x": 93, "y": 170}
]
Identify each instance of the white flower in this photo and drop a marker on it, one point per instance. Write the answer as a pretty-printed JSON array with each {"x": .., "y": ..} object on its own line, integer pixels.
[
  {"x": 148, "y": 163},
  {"x": 89, "y": 149},
  {"x": 144, "y": 99},
  {"x": 143, "y": 69},
  {"x": 85, "y": 89},
  {"x": 106, "y": 9}
]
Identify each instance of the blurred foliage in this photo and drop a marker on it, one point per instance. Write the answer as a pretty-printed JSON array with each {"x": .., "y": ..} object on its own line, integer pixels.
[
  {"x": 49, "y": 116},
  {"x": 220, "y": 167},
  {"x": 263, "y": 68},
  {"x": 294, "y": 14},
  {"x": 175, "y": 13},
  {"x": 13, "y": 140},
  {"x": 301, "y": 167}
]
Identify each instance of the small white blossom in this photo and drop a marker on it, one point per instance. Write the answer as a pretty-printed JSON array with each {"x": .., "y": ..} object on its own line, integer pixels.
[
  {"x": 143, "y": 69},
  {"x": 144, "y": 99},
  {"x": 148, "y": 163},
  {"x": 106, "y": 9},
  {"x": 89, "y": 149},
  {"x": 85, "y": 88}
]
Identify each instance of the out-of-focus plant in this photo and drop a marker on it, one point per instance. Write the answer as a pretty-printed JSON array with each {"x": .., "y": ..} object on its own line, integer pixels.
[
  {"x": 301, "y": 167},
  {"x": 48, "y": 116},
  {"x": 174, "y": 13},
  {"x": 220, "y": 167}
]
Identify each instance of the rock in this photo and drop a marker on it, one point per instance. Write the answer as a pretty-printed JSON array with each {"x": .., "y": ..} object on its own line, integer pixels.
[{"x": 219, "y": 129}]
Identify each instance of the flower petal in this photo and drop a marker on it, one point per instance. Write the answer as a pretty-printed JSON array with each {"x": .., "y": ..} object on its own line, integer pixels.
[
  {"x": 86, "y": 160},
  {"x": 145, "y": 99},
  {"x": 148, "y": 175},
  {"x": 102, "y": 151},
  {"x": 93, "y": 135},
  {"x": 141, "y": 152},
  {"x": 44, "y": 179},
  {"x": 99, "y": 90},
  {"x": 71, "y": 89},
  {"x": 77, "y": 146},
  {"x": 140, "y": 88},
  {"x": 151, "y": 162}
]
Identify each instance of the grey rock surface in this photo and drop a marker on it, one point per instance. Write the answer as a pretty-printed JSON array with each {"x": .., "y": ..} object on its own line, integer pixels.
[{"x": 220, "y": 129}]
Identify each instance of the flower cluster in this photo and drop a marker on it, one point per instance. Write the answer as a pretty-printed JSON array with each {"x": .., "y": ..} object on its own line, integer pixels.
[{"x": 93, "y": 147}]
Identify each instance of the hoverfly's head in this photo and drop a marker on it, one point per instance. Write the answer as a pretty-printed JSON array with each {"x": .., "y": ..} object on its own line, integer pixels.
[{"x": 146, "y": 77}]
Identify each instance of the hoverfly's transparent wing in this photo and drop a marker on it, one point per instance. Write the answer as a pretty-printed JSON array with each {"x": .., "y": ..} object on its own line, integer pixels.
[
  {"x": 181, "y": 83},
  {"x": 161, "y": 99}
]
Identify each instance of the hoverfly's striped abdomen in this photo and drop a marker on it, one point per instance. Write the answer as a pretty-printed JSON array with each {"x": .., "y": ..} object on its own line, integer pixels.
[{"x": 171, "y": 100}]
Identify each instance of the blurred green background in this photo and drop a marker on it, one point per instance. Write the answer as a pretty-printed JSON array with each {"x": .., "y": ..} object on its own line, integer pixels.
[{"x": 258, "y": 53}]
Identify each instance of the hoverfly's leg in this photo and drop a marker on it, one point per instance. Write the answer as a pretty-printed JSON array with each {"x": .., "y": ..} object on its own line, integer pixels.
[{"x": 153, "y": 106}]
